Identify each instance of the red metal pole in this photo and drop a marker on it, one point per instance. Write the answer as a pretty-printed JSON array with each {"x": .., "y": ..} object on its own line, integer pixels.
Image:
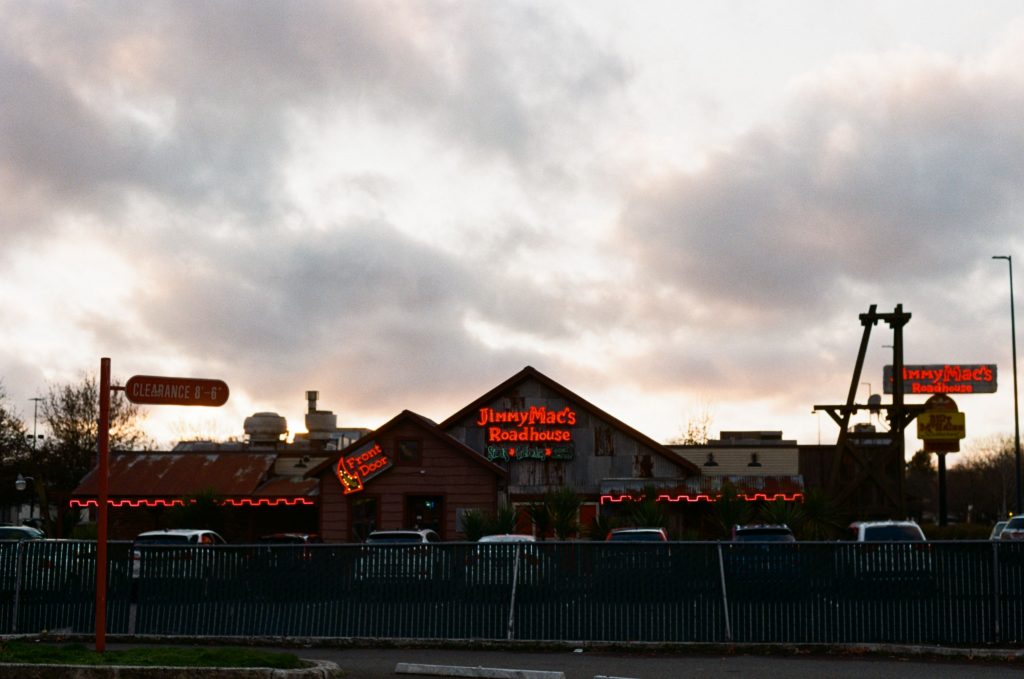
[{"x": 101, "y": 510}]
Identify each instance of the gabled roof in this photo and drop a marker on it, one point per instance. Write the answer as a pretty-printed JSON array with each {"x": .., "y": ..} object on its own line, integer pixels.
[
  {"x": 422, "y": 422},
  {"x": 530, "y": 373}
]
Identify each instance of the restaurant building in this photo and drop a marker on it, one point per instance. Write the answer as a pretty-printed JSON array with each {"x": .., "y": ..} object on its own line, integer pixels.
[{"x": 513, "y": 445}]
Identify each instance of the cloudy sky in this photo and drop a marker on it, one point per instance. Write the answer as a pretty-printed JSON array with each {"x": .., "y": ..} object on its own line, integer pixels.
[{"x": 672, "y": 208}]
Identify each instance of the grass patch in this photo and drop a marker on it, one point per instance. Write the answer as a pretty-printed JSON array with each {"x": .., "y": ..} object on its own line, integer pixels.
[{"x": 169, "y": 656}]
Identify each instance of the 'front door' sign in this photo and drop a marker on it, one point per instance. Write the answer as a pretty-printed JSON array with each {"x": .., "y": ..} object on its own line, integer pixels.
[
  {"x": 355, "y": 469},
  {"x": 175, "y": 391}
]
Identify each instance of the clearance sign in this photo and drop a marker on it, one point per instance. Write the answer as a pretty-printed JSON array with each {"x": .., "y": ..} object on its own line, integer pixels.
[
  {"x": 944, "y": 378},
  {"x": 355, "y": 469},
  {"x": 537, "y": 433}
]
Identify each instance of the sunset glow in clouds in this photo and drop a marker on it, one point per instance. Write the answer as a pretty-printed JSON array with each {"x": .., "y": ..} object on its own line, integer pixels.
[{"x": 667, "y": 207}]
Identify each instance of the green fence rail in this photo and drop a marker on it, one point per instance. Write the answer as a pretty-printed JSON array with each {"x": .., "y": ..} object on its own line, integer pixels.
[{"x": 932, "y": 593}]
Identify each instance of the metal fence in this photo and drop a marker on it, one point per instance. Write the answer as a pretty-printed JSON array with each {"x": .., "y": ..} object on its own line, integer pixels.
[{"x": 938, "y": 592}]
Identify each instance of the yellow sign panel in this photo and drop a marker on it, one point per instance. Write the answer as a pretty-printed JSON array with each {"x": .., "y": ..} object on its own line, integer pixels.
[{"x": 941, "y": 426}]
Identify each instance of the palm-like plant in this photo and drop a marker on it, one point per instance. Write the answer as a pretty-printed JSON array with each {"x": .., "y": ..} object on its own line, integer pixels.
[
  {"x": 563, "y": 505},
  {"x": 474, "y": 524},
  {"x": 822, "y": 519},
  {"x": 506, "y": 520},
  {"x": 730, "y": 510},
  {"x": 647, "y": 512},
  {"x": 540, "y": 516},
  {"x": 788, "y": 513}
]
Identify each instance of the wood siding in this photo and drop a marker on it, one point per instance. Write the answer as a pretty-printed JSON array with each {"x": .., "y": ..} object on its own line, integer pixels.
[
  {"x": 602, "y": 450},
  {"x": 442, "y": 471}
]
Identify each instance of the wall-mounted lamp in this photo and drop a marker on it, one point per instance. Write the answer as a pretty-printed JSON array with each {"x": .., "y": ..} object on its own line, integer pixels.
[{"x": 21, "y": 483}]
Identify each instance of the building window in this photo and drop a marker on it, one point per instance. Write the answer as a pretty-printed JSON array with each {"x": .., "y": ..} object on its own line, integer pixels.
[
  {"x": 753, "y": 461},
  {"x": 710, "y": 462},
  {"x": 410, "y": 451},
  {"x": 603, "y": 441}
]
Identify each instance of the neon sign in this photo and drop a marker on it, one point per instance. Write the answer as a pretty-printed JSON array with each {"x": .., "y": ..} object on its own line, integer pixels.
[
  {"x": 361, "y": 466},
  {"x": 163, "y": 502},
  {"x": 537, "y": 433},
  {"x": 705, "y": 497},
  {"x": 944, "y": 379}
]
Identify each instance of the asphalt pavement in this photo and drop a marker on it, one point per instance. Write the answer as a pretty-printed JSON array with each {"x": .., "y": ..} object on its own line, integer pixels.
[{"x": 862, "y": 662}]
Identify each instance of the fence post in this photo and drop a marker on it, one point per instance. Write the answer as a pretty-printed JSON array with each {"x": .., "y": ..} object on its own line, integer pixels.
[
  {"x": 18, "y": 569},
  {"x": 725, "y": 595},
  {"x": 512, "y": 600},
  {"x": 996, "y": 591}
]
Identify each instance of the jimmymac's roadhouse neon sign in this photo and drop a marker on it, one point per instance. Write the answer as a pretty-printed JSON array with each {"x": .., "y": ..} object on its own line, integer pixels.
[{"x": 537, "y": 433}]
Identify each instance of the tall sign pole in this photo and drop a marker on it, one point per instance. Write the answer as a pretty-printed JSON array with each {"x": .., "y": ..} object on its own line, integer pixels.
[
  {"x": 103, "y": 446},
  {"x": 148, "y": 390},
  {"x": 1016, "y": 409}
]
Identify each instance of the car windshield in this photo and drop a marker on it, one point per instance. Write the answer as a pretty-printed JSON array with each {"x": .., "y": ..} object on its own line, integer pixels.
[
  {"x": 393, "y": 538},
  {"x": 892, "y": 534},
  {"x": 636, "y": 536},
  {"x": 18, "y": 533},
  {"x": 1016, "y": 523}
]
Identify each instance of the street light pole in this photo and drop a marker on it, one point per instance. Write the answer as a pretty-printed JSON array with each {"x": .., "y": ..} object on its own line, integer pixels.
[{"x": 1016, "y": 411}]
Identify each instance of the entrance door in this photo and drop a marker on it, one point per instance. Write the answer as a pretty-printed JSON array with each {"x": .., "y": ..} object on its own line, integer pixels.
[
  {"x": 425, "y": 511},
  {"x": 362, "y": 516}
]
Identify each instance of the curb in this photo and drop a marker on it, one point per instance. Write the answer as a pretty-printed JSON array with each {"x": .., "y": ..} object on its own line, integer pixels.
[
  {"x": 318, "y": 669},
  {"x": 1010, "y": 654},
  {"x": 480, "y": 672}
]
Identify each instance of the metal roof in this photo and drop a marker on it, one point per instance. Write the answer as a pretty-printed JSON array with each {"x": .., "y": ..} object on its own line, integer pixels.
[{"x": 232, "y": 474}]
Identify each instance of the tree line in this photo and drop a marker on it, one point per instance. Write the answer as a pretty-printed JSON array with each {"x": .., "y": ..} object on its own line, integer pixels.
[{"x": 54, "y": 465}]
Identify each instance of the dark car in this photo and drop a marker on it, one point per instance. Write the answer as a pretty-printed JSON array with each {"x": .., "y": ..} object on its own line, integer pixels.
[
  {"x": 763, "y": 558},
  {"x": 152, "y": 542},
  {"x": 637, "y": 535},
  {"x": 289, "y": 539},
  {"x": 763, "y": 533},
  {"x": 20, "y": 533}
]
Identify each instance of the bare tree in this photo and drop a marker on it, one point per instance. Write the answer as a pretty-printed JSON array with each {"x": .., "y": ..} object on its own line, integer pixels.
[
  {"x": 982, "y": 482},
  {"x": 698, "y": 427},
  {"x": 71, "y": 413},
  {"x": 13, "y": 450}
]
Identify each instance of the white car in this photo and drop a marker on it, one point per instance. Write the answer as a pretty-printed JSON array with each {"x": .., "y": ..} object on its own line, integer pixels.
[
  {"x": 1013, "y": 530},
  {"x": 889, "y": 554},
  {"x": 886, "y": 531},
  {"x": 397, "y": 555}
]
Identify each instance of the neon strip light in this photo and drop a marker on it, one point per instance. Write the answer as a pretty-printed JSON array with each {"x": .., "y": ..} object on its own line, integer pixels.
[
  {"x": 704, "y": 497},
  {"x": 232, "y": 502}
]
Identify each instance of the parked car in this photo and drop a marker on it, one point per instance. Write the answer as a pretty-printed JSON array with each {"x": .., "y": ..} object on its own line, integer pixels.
[
  {"x": 889, "y": 558},
  {"x": 763, "y": 557},
  {"x": 279, "y": 551},
  {"x": 402, "y": 555},
  {"x": 381, "y": 537},
  {"x": 289, "y": 539},
  {"x": 493, "y": 561},
  {"x": 508, "y": 537},
  {"x": 1013, "y": 530},
  {"x": 170, "y": 537},
  {"x": 997, "y": 530},
  {"x": 763, "y": 532},
  {"x": 886, "y": 531},
  {"x": 637, "y": 535},
  {"x": 19, "y": 533}
]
